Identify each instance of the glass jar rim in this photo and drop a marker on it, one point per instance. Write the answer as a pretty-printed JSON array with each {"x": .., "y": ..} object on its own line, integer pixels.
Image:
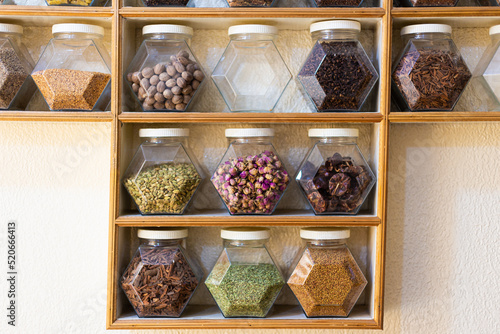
[
  {"x": 77, "y": 28},
  {"x": 8, "y": 28},
  {"x": 249, "y": 133},
  {"x": 245, "y": 233},
  {"x": 163, "y": 133},
  {"x": 162, "y": 234},
  {"x": 153, "y": 29},
  {"x": 334, "y": 133},
  {"x": 335, "y": 25},
  {"x": 324, "y": 233},
  {"x": 426, "y": 28},
  {"x": 252, "y": 29}
]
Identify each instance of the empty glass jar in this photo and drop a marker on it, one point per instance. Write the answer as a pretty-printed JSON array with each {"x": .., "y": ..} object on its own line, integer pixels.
[
  {"x": 73, "y": 72},
  {"x": 337, "y": 75},
  {"x": 162, "y": 177},
  {"x": 162, "y": 276},
  {"x": 250, "y": 178},
  {"x": 334, "y": 176},
  {"x": 16, "y": 64},
  {"x": 488, "y": 68},
  {"x": 415, "y": 87},
  {"x": 164, "y": 74},
  {"x": 325, "y": 278},
  {"x": 251, "y": 3},
  {"x": 245, "y": 280},
  {"x": 251, "y": 74}
]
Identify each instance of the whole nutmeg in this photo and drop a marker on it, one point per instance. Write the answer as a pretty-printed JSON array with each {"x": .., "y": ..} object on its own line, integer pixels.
[
  {"x": 181, "y": 82},
  {"x": 195, "y": 84},
  {"x": 169, "y": 105},
  {"x": 150, "y": 100},
  {"x": 179, "y": 67},
  {"x": 161, "y": 86},
  {"x": 183, "y": 54},
  {"x": 177, "y": 99},
  {"x": 136, "y": 77},
  {"x": 158, "y": 105},
  {"x": 187, "y": 98},
  {"x": 135, "y": 87},
  {"x": 142, "y": 91},
  {"x": 173, "y": 59},
  {"x": 145, "y": 83},
  {"x": 159, "y": 68},
  {"x": 154, "y": 80},
  {"x": 178, "y": 75},
  {"x": 159, "y": 98},
  {"x": 129, "y": 77},
  {"x": 180, "y": 106},
  {"x": 190, "y": 68},
  {"x": 176, "y": 90},
  {"x": 198, "y": 75},
  {"x": 187, "y": 76},
  {"x": 187, "y": 90},
  {"x": 164, "y": 76},
  {"x": 167, "y": 93},
  {"x": 147, "y": 72},
  {"x": 183, "y": 61},
  {"x": 171, "y": 70},
  {"x": 171, "y": 83},
  {"x": 196, "y": 66},
  {"x": 146, "y": 106},
  {"x": 151, "y": 91}
]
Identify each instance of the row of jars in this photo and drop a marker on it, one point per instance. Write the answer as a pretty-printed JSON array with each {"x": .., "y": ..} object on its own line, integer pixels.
[
  {"x": 163, "y": 176},
  {"x": 245, "y": 281}
]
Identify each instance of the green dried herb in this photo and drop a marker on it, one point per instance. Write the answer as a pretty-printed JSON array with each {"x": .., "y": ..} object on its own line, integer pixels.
[{"x": 163, "y": 189}]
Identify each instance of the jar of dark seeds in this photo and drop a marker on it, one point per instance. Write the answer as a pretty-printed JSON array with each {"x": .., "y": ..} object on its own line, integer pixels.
[
  {"x": 325, "y": 278},
  {"x": 334, "y": 176},
  {"x": 16, "y": 64},
  {"x": 429, "y": 74},
  {"x": 162, "y": 276},
  {"x": 337, "y": 75},
  {"x": 245, "y": 280},
  {"x": 73, "y": 73},
  {"x": 162, "y": 177},
  {"x": 164, "y": 74}
]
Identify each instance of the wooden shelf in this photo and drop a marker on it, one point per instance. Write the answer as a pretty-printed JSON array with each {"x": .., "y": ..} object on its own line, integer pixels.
[
  {"x": 432, "y": 12},
  {"x": 55, "y": 11},
  {"x": 454, "y": 116},
  {"x": 54, "y": 116}
]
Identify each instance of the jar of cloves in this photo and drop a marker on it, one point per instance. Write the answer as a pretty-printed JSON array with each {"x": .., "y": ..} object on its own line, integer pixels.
[
  {"x": 162, "y": 276},
  {"x": 325, "y": 278},
  {"x": 335, "y": 177},
  {"x": 251, "y": 178}
]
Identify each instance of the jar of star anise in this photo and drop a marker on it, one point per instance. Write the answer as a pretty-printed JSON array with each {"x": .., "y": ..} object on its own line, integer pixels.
[{"x": 334, "y": 176}]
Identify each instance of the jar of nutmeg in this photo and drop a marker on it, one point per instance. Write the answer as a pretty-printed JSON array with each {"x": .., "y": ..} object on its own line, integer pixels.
[{"x": 164, "y": 74}]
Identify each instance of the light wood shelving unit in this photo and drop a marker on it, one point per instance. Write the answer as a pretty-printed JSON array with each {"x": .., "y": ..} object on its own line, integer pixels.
[{"x": 124, "y": 20}]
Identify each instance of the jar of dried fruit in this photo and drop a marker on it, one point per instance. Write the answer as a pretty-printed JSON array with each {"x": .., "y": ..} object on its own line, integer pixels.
[
  {"x": 488, "y": 69},
  {"x": 162, "y": 177},
  {"x": 164, "y": 74},
  {"x": 162, "y": 276},
  {"x": 251, "y": 74},
  {"x": 325, "y": 278},
  {"x": 251, "y": 3},
  {"x": 334, "y": 176},
  {"x": 73, "y": 72},
  {"x": 250, "y": 178},
  {"x": 415, "y": 87},
  {"x": 245, "y": 280},
  {"x": 337, "y": 75},
  {"x": 16, "y": 65}
]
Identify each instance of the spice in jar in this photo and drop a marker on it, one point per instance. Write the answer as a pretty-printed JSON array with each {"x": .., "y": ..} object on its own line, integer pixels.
[
  {"x": 430, "y": 3},
  {"x": 164, "y": 188},
  {"x": 12, "y": 76},
  {"x": 338, "y": 3},
  {"x": 71, "y": 89},
  {"x": 167, "y": 86},
  {"x": 250, "y": 3},
  {"x": 69, "y": 2},
  {"x": 251, "y": 184}
]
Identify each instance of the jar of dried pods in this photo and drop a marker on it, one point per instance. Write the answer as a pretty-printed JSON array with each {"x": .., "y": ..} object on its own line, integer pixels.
[
  {"x": 162, "y": 177},
  {"x": 251, "y": 74},
  {"x": 73, "y": 72},
  {"x": 164, "y": 74},
  {"x": 334, "y": 176},
  {"x": 250, "y": 178},
  {"x": 488, "y": 68},
  {"x": 251, "y": 3},
  {"x": 429, "y": 74},
  {"x": 325, "y": 278},
  {"x": 245, "y": 280},
  {"x": 162, "y": 276},
  {"x": 16, "y": 64},
  {"x": 337, "y": 75}
]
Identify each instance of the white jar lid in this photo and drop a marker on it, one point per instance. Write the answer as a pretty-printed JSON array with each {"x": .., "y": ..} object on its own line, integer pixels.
[
  {"x": 161, "y": 133},
  {"x": 495, "y": 30},
  {"x": 423, "y": 28},
  {"x": 253, "y": 29},
  {"x": 335, "y": 24},
  {"x": 167, "y": 29},
  {"x": 77, "y": 28},
  {"x": 245, "y": 233},
  {"x": 324, "y": 233},
  {"x": 314, "y": 133},
  {"x": 11, "y": 28},
  {"x": 163, "y": 234},
  {"x": 241, "y": 133}
]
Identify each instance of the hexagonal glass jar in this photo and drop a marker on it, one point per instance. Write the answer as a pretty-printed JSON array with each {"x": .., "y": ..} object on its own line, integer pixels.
[
  {"x": 162, "y": 177},
  {"x": 325, "y": 278},
  {"x": 73, "y": 72},
  {"x": 16, "y": 65},
  {"x": 414, "y": 87},
  {"x": 337, "y": 75},
  {"x": 164, "y": 74},
  {"x": 251, "y": 178},
  {"x": 162, "y": 276},
  {"x": 488, "y": 68},
  {"x": 251, "y": 3},
  {"x": 245, "y": 280},
  {"x": 251, "y": 74},
  {"x": 335, "y": 177}
]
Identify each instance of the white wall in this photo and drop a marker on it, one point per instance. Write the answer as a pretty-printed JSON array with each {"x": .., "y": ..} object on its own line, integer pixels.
[{"x": 443, "y": 234}]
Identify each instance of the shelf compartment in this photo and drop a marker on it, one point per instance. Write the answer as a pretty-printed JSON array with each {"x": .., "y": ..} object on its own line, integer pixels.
[{"x": 55, "y": 116}]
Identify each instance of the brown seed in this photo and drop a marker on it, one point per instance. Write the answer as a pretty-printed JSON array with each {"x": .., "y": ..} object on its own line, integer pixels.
[
  {"x": 145, "y": 83},
  {"x": 129, "y": 77},
  {"x": 169, "y": 105},
  {"x": 195, "y": 84},
  {"x": 147, "y": 72},
  {"x": 164, "y": 76},
  {"x": 159, "y": 97},
  {"x": 173, "y": 59},
  {"x": 190, "y": 68},
  {"x": 179, "y": 67},
  {"x": 159, "y": 68},
  {"x": 183, "y": 61},
  {"x": 176, "y": 90},
  {"x": 151, "y": 91},
  {"x": 183, "y": 54},
  {"x": 171, "y": 70},
  {"x": 178, "y": 75},
  {"x": 158, "y": 105},
  {"x": 146, "y": 106},
  {"x": 187, "y": 90},
  {"x": 136, "y": 77},
  {"x": 154, "y": 80},
  {"x": 135, "y": 87},
  {"x": 167, "y": 93},
  {"x": 161, "y": 86},
  {"x": 150, "y": 100},
  {"x": 187, "y": 98},
  {"x": 180, "y": 106},
  {"x": 181, "y": 82},
  {"x": 187, "y": 76},
  {"x": 177, "y": 99},
  {"x": 171, "y": 83},
  {"x": 198, "y": 75}
]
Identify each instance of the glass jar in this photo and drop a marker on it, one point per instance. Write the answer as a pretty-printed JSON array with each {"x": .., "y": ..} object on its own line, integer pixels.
[
  {"x": 415, "y": 88},
  {"x": 164, "y": 74},
  {"x": 251, "y": 74},
  {"x": 251, "y": 3},
  {"x": 162, "y": 177},
  {"x": 334, "y": 176},
  {"x": 162, "y": 276},
  {"x": 337, "y": 75},
  {"x": 73, "y": 72},
  {"x": 325, "y": 278},
  {"x": 488, "y": 68},
  {"x": 245, "y": 280},
  {"x": 250, "y": 178},
  {"x": 16, "y": 65}
]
